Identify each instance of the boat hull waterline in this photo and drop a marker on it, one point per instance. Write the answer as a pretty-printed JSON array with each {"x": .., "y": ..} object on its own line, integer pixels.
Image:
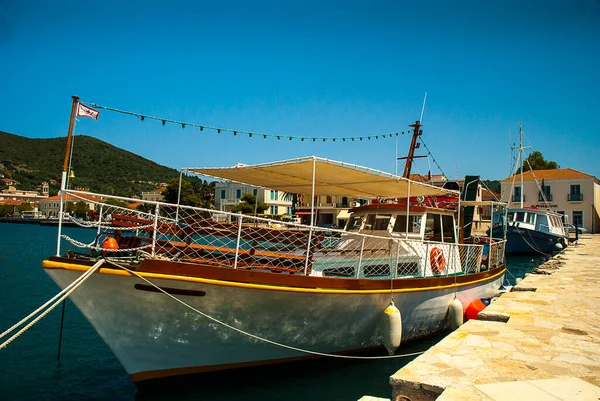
[{"x": 153, "y": 336}]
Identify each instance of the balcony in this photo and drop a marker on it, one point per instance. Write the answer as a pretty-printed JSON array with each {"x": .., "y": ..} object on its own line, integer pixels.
[
  {"x": 575, "y": 197},
  {"x": 542, "y": 197},
  {"x": 517, "y": 198}
]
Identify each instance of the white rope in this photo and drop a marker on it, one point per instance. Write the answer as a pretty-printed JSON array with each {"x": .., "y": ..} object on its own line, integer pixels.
[
  {"x": 65, "y": 293},
  {"x": 99, "y": 248},
  {"x": 260, "y": 338},
  {"x": 84, "y": 224}
]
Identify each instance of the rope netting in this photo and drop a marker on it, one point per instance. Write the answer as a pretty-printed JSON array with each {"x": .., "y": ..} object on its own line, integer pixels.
[{"x": 222, "y": 239}]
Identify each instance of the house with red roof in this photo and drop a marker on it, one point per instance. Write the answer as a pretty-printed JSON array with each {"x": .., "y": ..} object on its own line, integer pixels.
[{"x": 572, "y": 193}]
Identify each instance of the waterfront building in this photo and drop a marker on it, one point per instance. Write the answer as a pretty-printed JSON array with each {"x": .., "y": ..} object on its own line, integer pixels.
[
  {"x": 50, "y": 207},
  {"x": 331, "y": 211},
  {"x": 13, "y": 193},
  {"x": 229, "y": 194},
  {"x": 155, "y": 195},
  {"x": 572, "y": 193}
]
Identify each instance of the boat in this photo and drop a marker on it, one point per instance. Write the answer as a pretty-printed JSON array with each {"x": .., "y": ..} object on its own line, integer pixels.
[
  {"x": 531, "y": 230},
  {"x": 184, "y": 290}
]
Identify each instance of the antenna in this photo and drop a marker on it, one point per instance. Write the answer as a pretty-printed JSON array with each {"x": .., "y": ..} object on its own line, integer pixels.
[{"x": 423, "y": 108}]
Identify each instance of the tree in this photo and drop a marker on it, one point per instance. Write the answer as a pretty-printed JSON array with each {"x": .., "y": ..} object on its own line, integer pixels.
[
  {"x": 249, "y": 205},
  {"x": 188, "y": 195},
  {"x": 81, "y": 210},
  {"x": 69, "y": 207},
  {"x": 25, "y": 207},
  {"x": 535, "y": 161}
]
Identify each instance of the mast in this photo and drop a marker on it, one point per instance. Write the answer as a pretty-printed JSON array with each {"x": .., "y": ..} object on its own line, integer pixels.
[
  {"x": 63, "y": 181},
  {"x": 417, "y": 131},
  {"x": 521, "y": 158}
]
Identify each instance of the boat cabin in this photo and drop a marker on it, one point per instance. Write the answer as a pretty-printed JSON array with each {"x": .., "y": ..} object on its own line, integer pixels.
[
  {"x": 422, "y": 223},
  {"x": 536, "y": 219}
]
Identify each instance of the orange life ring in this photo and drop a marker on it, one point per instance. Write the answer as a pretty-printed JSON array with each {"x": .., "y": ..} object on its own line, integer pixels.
[{"x": 437, "y": 261}]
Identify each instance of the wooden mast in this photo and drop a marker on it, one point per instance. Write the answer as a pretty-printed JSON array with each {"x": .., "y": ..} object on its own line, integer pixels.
[{"x": 417, "y": 131}]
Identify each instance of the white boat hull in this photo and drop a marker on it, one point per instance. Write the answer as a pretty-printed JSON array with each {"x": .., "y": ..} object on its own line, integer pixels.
[{"x": 154, "y": 336}]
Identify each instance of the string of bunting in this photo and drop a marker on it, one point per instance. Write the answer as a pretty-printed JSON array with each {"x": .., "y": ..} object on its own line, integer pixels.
[{"x": 236, "y": 132}]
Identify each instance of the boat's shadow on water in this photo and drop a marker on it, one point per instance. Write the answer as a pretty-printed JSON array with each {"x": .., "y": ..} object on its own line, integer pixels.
[{"x": 319, "y": 378}]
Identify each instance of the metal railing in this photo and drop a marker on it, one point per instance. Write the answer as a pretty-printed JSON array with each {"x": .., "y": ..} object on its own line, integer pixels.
[
  {"x": 575, "y": 197},
  {"x": 223, "y": 239}
]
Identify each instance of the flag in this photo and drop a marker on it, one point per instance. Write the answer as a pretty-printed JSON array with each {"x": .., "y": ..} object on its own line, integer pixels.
[{"x": 85, "y": 111}]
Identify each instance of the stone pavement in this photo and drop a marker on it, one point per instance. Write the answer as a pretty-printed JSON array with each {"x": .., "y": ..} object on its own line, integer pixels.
[{"x": 540, "y": 341}]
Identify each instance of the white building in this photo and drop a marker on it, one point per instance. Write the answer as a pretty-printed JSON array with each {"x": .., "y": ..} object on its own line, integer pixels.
[
  {"x": 566, "y": 191},
  {"x": 229, "y": 194}
]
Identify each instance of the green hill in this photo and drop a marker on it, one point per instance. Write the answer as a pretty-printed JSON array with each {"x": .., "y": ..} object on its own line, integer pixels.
[{"x": 98, "y": 166}]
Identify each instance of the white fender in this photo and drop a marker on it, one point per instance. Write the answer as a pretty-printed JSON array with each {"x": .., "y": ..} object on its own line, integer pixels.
[
  {"x": 392, "y": 328},
  {"x": 455, "y": 314}
]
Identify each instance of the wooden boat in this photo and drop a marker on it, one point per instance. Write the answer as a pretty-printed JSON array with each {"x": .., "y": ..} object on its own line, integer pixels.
[{"x": 188, "y": 290}]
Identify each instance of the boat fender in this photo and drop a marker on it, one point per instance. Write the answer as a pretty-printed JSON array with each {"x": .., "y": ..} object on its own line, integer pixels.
[
  {"x": 437, "y": 260},
  {"x": 456, "y": 314},
  {"x": 110, "y": 244},
  {"x": 392, "y": 328},
  {"x": 474, "y": 308}
]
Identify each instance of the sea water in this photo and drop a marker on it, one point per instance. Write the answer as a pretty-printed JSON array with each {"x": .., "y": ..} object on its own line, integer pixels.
[{"x": 87, "y": 370}]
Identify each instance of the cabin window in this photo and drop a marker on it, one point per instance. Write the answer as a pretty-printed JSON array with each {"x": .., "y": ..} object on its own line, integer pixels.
[
  {"x": 433, "y": 227},
  {"x": 354, "y": 223},
  {"x": 378, "y": 222},
  {"x": 530, "y": 218},
  {"x": 448, "y": 228},
  {"x": 510, "y": 216},
  {"x": 414, "y": 224},
  {"x": 520, "y": 216},
  {"x": 542, "y": 224}
]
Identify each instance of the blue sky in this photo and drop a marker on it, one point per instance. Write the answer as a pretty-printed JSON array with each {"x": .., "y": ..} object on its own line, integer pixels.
[{"x": 311, "y": 68}]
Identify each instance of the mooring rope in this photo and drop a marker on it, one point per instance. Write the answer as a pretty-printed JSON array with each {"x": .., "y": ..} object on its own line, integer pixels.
[
  {"x": 62, "y": 295},
  {"x": 257, "y": 337}
]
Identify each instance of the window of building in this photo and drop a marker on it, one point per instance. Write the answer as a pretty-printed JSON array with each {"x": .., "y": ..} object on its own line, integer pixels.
[
  {"x": 578, "y": 218},
  {"x": 575, "y": 193},
  {"x": 255, "y": 192},
  {"x": 545, "y": 194},
  {"x": 238, "y": 193},
  {"x": 516, "y": 194},
  {"x": 222, "y": 194}
]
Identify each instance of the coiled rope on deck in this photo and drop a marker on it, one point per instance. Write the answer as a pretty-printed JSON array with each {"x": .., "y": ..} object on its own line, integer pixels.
[
  {"x": 61, "y": 296},
  {"x": 290, "y": 347}
]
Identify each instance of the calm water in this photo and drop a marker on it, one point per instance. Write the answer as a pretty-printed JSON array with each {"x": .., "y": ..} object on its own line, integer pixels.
[{"x": 88, "y": 370}]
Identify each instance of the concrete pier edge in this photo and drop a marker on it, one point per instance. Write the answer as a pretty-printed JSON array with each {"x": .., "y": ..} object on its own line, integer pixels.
[{"x": 539, "y": 341}]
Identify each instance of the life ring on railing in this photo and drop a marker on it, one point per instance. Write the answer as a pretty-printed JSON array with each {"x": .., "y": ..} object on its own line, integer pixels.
[{"x": 437, "y": 261}]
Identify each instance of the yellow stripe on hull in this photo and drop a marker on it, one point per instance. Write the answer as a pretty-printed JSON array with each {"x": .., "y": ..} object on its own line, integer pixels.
[{"x": 48, "y": 264}]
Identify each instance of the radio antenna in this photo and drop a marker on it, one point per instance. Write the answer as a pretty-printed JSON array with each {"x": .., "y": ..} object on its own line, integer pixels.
[{"x": 423, "y": 108}]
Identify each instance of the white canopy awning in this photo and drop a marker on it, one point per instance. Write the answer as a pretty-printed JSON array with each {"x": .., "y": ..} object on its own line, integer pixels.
[{"x": 333, "y": 178}]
